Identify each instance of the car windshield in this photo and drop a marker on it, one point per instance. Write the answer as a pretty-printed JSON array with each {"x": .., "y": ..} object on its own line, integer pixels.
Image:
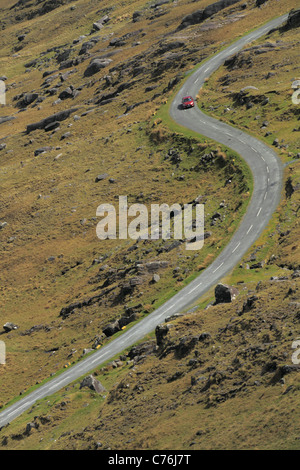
[{"x": 187, "y": 99}]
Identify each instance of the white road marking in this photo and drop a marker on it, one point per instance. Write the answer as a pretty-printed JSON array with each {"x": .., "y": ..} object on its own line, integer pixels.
[
  {"x": 265, "y": 196},
  {"x": 236, "y": 247},
  {"x": 259, "y": 212},
  {"x": 250, "y": 229},
  {"x": 195, "y": 287},
  {"x": 172, "y": 306},
  {"x": 218, "y": 268}
]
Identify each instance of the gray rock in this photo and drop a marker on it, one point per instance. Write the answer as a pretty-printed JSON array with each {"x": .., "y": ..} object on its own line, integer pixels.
[
  {"x": 6, "y": 119},
  {"x": 42, "y": 150},
  {"x": 88, "y": 45},
  {"x": 57, "y": 117},
  {"x": 155, "y": 265},
  {"x": 65, "y": 136},
  {"x": 52, "y": 126},
  {"x": 101, "y": 177},
  {"x": 127, "y": 319},
  {"x": 81, "y": 38},
  {"x": 248, "y": 304},
  {"x": 117, "y": 42},
  {"x": 260, "y": 2},
  {"x": 224, "y": 294},
  {"x": 9, "y": 327},
  {"x": 69, "y": 92},
  {"x": 175, "y": 316},
  {"x": 269, "y": 75},
  {"x": 111, "y": 329},
  {"x": 30, "y": 427},
  {"x": 136, "y": 16},
  {"x": 63, "y": 56},
  {"x": 161, "y": 332},
  {"x": 201, "y": 15},
  {"x": 159, "y": 3},
  {"x": 250, "y": 87},
  {"x": 66, "y": 64},
  {"x": 98, "y": 25},
  {"x": 27, "y": 99},
  {"x": 257, "y": 265},
  {"x": 294, "y": 19},
  {"x": 205, "y": 336},
  {"x": 96, "y": 65},
  {"x": 92, "y": 384}
]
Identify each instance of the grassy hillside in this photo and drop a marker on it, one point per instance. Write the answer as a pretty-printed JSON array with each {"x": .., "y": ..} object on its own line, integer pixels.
[{"x": 51, "y": 258}]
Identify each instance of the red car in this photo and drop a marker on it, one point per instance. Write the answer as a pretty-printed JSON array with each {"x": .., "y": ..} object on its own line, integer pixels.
[{"x": 188, "y": 102}]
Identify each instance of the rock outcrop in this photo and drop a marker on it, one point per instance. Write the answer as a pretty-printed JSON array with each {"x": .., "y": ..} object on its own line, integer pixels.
[
  {"x": 224, "y": 294},
  {"x": 9, "y": 327},
  {"x": 201, "y": 15},
  {"x": 294, "y": 19},
  {"x": 57, "y": 117},
  {"x": 92, "y": 384}
]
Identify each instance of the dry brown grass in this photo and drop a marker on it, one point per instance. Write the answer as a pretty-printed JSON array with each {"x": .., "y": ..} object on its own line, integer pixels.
[{"x": 33, "y": 289}]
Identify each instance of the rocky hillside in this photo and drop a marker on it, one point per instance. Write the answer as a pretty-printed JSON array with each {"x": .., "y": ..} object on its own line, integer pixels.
[{"x": 86, "y": 121}]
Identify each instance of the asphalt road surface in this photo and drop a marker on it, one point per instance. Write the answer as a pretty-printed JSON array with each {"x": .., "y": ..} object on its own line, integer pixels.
[{"x": 267, "y": 172}]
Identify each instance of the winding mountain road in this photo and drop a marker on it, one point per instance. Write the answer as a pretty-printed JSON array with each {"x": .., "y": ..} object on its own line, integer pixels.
[{"x": 267, "y": 172}]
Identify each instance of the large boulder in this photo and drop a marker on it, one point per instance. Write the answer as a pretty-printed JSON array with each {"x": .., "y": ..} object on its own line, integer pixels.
[
  {"x": 92, "y": 384},
  {"x": 27, "y": 99},
  {"x": 57, "y": 117},
  {"x": 126, "y": 319},
  {"x": 294, "y": 19},
  {"x": 224, "y": 294},
  {"x": 260, "y": 2},
  {"x": 201, "y": 15},
  {"x": 98, "y": 25},
  {"x": 63, "y": 56},
  {"x": 9, "y": 327},
  {"x": 111, "y": 329},
  {"x": 30, "y": 427},
  {"x": 142, "y": 350},
  {"x": 69, "y": 92},
  {"x": 96, "y": 65},
  {"x": 161, "y": 332}
]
